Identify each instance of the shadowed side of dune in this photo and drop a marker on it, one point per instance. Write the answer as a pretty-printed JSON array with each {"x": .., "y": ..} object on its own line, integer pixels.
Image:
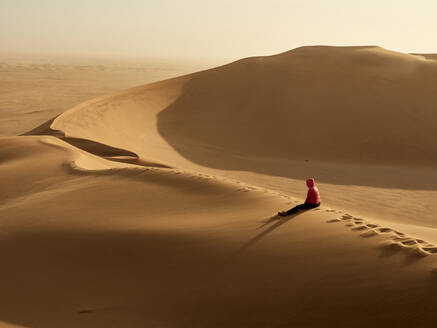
[
  {"x": 112, "y": 278},
  {"x": 109, "y": 152},
  {"x": 45, "y": 129},
  {"x": 93, "y": 147},
  {"x": 340, "y": 104}
]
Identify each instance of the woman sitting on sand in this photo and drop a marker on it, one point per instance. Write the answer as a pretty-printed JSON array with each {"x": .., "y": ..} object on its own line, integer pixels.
[{"x": 312, "y": 200}]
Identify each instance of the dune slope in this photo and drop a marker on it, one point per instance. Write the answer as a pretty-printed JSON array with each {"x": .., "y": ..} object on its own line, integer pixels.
[
  {"x": 350, "y": 104},
  {"x": 96, "y": 243},
  {"x": 361, "y": 120}
]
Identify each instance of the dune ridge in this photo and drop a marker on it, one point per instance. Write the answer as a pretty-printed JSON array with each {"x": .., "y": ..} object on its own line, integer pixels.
[{"x": 260, "y": 106}]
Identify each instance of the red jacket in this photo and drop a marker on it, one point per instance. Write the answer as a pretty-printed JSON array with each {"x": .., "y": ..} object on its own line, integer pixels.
[{"x": 313, "y": 196}]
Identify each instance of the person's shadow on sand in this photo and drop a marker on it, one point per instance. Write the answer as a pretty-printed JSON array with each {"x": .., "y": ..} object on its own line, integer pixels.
[{"x": 280, "y": 221}]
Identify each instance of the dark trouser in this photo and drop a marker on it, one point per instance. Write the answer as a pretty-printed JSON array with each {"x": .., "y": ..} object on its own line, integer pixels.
[{"x": 304, "y": 206}]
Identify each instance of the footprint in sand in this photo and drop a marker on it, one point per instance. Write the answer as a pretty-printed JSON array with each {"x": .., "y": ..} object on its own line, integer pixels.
[
  {"x": 432, "y": 250},
  {"x": 346, "y": 217},
  {"x": 368, "y": 234},
  {"x": 333, "y": 221},
  {"x": 360, "y": 228},
  {"x": 394, "y": 246},
  {"x": 409, "y": 242},
  {"x": 384, "y": 230}
]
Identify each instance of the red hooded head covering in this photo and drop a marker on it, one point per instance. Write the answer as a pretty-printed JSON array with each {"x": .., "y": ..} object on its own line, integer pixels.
[{"x": 313, "y": 196}]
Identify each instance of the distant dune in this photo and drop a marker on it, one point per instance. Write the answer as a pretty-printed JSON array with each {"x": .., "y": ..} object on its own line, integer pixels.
[
  {"x": 36, "y": 88},
  {"x": 156, "y": 206},
  {"x": 352, "y": 104},
  {"x": 427, "y": 56}
]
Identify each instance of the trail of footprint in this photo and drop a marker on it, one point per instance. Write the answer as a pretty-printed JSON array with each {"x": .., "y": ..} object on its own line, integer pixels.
[{"x": 399, "y": 240}]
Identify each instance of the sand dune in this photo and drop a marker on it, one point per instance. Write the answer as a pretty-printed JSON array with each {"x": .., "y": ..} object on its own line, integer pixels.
[
  {"x": 273, "y": 121},
  {"x": 35, "y": 88},
  {"x": 352, "y": 104},
  {"x": 155, "y": 206},
  {"x": 92, "y": 243}
]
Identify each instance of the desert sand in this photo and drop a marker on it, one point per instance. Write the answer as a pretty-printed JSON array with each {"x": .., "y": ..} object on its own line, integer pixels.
[
  {"x": 35, "y": 88},
  {"x": 155, "y": 206}
]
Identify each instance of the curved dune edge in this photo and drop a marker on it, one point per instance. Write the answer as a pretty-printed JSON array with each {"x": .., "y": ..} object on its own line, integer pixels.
[{"x": 258, "y": 106}]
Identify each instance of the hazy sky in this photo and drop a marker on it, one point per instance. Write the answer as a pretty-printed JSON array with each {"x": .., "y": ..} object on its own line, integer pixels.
[{"x": 213, "y": 28}]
